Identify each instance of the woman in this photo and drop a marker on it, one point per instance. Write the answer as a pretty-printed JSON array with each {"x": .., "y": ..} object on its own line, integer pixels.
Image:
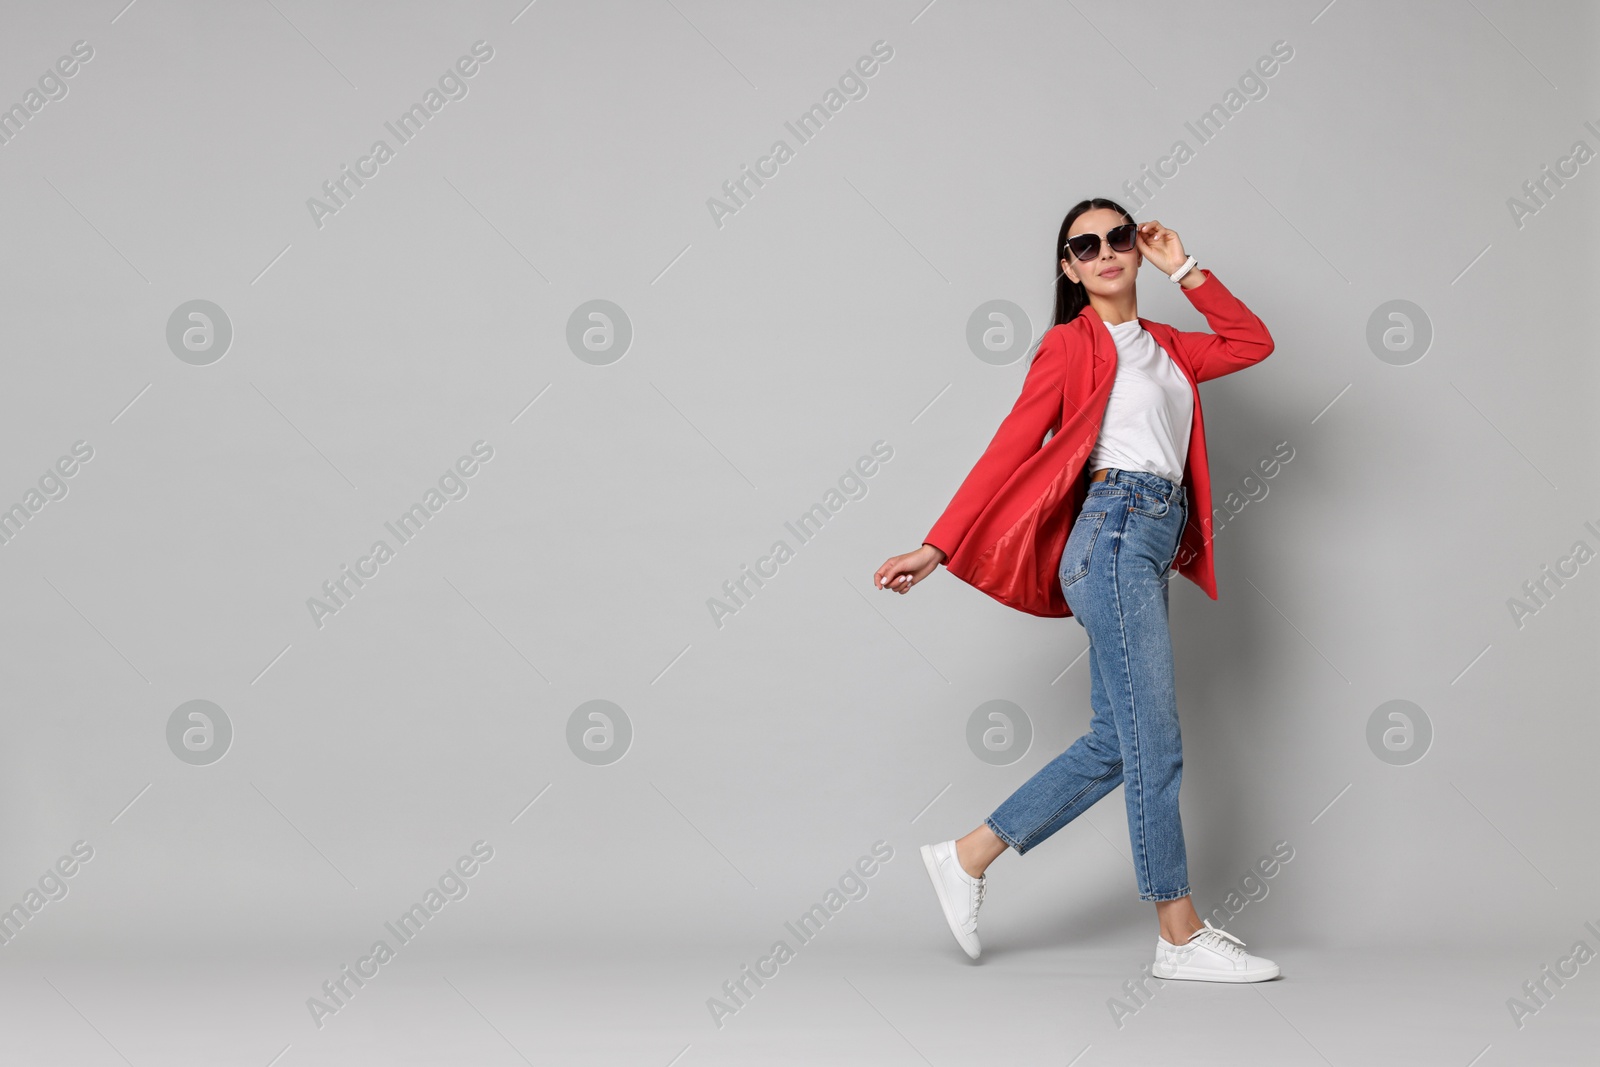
[{"x": 1090, "y": 523}]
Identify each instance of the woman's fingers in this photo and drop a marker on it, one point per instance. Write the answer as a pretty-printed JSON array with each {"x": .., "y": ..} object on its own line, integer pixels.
[
  {"x": 900, "y": 573},
  {"x": 895, "y": 579},
  {"x": 1153, "y": 231}
]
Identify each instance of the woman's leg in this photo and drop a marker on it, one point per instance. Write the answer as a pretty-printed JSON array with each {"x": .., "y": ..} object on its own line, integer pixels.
[
  {"x": 1071, "y": 783},
  {"x": 1121, "y": 599},
  {"x": 1059, "y": 791}
]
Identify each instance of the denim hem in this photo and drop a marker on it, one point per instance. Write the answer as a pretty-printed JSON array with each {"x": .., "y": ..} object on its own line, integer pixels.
[
  {"x": 1165, "y": 896},
  {"x": 1002, "y": 835}
]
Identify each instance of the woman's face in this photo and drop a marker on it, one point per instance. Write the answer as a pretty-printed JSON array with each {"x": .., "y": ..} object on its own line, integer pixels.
[{"x": 1107, "y": 273}]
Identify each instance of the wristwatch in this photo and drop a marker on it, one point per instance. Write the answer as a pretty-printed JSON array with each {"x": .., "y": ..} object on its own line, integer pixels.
[{"x": 1188, "y": 265}]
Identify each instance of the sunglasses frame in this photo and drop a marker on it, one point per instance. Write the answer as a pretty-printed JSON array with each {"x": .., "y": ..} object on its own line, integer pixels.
[{"x": 1133, "y": 237}]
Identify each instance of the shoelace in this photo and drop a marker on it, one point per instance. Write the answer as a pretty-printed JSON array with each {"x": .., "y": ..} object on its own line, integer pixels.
[
  {"x": 1234, "y": 950},
  {"x": 977, "y": 900}
]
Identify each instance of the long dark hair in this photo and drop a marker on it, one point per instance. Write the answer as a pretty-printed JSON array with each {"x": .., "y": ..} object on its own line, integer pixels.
[{"x": 1071, "y": 296}]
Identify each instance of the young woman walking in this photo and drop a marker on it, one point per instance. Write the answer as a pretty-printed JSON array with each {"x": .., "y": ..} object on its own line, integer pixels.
[{"x": 1090, "y": 523}]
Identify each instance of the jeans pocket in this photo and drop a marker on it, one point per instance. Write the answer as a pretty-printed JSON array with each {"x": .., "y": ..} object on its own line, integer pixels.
[
  {"x": 1080, "y": 546},
  {"x": 1148, "y": 502}
]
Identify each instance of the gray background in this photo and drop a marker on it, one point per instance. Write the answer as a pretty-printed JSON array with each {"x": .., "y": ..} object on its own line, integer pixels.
[{"x": 767, "y": 357}]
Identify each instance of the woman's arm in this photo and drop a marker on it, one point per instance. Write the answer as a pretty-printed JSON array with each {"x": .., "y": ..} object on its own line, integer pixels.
[
  {"x": 1240, "y": 339},
  {"x": 1037, "y": 410}
]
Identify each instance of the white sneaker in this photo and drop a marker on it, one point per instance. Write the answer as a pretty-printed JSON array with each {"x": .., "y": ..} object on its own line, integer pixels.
[
  {"x": 960, "y": 894},
  {"x": 1210, "y": 955}
]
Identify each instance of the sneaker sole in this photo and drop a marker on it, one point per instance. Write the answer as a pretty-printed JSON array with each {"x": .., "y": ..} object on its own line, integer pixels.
[
  {"x": 1220, "y": 976},
  {"x": 932, "y": 866}
]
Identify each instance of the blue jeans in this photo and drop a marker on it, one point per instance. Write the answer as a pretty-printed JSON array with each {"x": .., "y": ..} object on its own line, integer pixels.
[{"x": 1114, "y": 576}]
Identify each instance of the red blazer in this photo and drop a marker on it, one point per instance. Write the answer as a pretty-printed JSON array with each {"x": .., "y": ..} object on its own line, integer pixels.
[{"x": 1007, "y": 525}]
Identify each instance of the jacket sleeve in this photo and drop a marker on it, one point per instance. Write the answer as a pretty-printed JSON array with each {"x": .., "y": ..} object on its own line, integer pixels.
[
  {"x": 1240, "y": 339},
  {"x": 1037, "y": 410}
]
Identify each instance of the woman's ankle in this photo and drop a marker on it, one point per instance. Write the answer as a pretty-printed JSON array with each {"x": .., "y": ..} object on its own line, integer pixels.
[
  {"x": 1177, "y": 935},
  {"x": 966, "y": 855},
  {"x": 1177, "y": 920},
  {"x": 977, "y": 850}
]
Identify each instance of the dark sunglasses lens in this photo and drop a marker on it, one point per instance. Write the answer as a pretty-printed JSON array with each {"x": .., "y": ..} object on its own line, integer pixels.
[
  {"x": 1121, "y": 238},
  {"x": 1085, "y": 245}
]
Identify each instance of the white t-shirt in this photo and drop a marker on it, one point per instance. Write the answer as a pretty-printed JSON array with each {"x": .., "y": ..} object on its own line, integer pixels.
[{"x": 1147, "y": 419}]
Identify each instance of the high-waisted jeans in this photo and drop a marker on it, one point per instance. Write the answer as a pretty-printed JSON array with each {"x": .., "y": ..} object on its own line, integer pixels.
[{"x": 1114, "y": 576}]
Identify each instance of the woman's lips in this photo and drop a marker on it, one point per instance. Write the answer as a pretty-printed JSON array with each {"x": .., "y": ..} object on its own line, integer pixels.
[{"x": 1112, "y": 273}]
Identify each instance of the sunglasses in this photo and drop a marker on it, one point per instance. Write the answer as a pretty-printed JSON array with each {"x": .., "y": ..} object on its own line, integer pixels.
[{"x": 1087, "y": 245}]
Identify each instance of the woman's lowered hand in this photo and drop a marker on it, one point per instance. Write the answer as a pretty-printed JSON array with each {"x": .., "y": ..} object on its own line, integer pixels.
[{"x": 900, "y": 573}]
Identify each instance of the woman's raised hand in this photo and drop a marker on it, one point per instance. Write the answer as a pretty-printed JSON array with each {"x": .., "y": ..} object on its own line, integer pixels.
[
  {"x": 1161, "y": 246},
  {"x": 900, "y": 573}
]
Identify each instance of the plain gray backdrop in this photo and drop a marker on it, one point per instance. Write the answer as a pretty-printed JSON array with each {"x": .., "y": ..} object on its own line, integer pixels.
[{"x": 757, "y": 757}]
